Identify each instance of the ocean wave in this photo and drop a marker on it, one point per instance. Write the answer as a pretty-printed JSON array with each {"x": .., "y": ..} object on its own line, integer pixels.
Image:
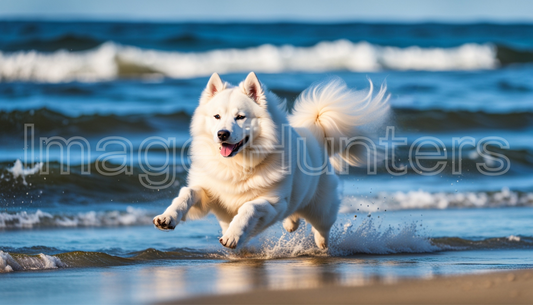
[
  {"x": 383, "y": 202},
  {"x": 70, "y": 41},
  {"x": 82, "y": 184},
  {"x": 39, "y": 219},
  {"x": 493, "y": 243},
  {"x": 110, "y": 61},
  {"x": 89, "y": 183},
  {"x": 425, "y": 200},
  {"x": 507, "y": 55},
  {"x": 371, "y": 236},
  {"x": 52, "y": 122},
  {"x": 345, "y": 240},
  {"x": 433, "y": 120},
  {"x": 23, "y": 262},
  {"x": 368, "y": 238},
  {"x": 17, "y": 261}
]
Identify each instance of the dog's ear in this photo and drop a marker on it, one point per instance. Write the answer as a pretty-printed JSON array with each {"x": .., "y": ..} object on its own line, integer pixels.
[
  {"x": 214, "y": 85},
  {"x": 252, "y": 87}
]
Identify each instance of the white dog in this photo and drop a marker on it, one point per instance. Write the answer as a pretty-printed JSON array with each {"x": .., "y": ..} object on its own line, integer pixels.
[{"x": 253, "y": 164}]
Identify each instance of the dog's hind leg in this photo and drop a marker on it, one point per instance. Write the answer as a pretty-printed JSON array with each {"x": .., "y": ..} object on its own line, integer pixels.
[
  {"x": 321, "y": 226},
  {"x": 321, "y": 221},
  {"x": 322, "y": 214},
  {"x": 291, "y": 223},
  {"x": 321, "y": 237}
]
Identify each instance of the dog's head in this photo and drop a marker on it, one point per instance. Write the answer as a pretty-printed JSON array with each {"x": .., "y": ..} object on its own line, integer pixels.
[{"x": 231, "y": 116}]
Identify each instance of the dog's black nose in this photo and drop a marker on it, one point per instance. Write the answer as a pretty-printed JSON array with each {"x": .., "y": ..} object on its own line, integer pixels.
[{"x": 223, "y": 135}]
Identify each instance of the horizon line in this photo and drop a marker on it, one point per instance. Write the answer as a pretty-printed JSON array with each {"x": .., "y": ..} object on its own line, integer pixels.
[{"x": 74, "y": 18}]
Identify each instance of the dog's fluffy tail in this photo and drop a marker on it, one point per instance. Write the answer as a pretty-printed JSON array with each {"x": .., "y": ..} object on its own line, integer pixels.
[{"x": 343, "y": 120}]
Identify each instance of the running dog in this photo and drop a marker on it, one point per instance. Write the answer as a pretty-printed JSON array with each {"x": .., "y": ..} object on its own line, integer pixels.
[{"x": 254, "y": 164}]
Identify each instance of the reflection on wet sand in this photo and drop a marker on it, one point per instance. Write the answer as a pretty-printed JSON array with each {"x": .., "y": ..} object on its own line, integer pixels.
[{"x": 171, "y": 280}]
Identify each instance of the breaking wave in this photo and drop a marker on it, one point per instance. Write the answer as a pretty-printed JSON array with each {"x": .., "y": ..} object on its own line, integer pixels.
[
  {"x": 425, "y": 200},
  {"x": 22, "y": 262},
  {"x": 370, "y": 237},
  {"x": 83, "y": 184},
  {"x": 110, "y": 61},
  {"x": 51, "y": 121},
  {"x": 366, "y": 238},
  {"x": 508, "y": 242},
  {"x": 40, "y": 219}
]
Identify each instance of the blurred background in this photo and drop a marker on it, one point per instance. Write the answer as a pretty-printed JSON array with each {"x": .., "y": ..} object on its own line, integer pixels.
[{"x": 135, "y": 69}]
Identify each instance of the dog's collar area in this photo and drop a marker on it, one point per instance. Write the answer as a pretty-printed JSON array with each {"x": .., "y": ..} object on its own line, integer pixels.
[{"x": 229, "y": 150}]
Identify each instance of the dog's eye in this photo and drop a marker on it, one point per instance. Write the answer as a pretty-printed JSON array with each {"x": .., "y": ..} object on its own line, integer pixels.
[
  {"x": 217, "y": 116},
  {"x": 240, "y": 117}
]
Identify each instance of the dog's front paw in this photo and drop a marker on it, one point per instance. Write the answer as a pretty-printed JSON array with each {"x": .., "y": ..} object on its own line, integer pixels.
[
  {"x": 229, "y": 241},
  {"x": 165, "y": 222}
]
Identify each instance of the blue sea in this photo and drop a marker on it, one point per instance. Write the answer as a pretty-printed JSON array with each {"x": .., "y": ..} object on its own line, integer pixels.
[{"x": 94, "y": 123}]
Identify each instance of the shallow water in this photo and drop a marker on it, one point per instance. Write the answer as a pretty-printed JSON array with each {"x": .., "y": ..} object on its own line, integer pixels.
[
  {"x": 140, "y": 264},
  {"x": 87, "y": 236},
  {"x": 167, "y": 280}
]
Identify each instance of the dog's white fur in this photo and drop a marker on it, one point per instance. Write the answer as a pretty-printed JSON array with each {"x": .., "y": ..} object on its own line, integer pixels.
[{"x": 282, "y": 172}]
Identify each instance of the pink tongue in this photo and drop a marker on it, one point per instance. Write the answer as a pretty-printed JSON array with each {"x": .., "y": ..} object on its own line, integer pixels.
[{"x": 227, "y": 149}]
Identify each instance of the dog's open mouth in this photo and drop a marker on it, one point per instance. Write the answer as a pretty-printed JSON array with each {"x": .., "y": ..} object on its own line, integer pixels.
[{"x": 230, "y": 150}]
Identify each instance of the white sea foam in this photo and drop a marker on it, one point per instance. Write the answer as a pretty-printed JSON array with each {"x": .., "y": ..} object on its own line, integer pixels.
[
  {"x": 18, "y": 170},
  {"x": 7, "y": 263},
  {"x": 513, "y": 238},
  {"x": 28, "y": 220},
  {"x": 370, "y": 237},
  {"x": 350, "y": 204},
  {"x": 26, "y": 262},
  {"x": 111, "y": 60},
  {"x": 425, "y": 200}
]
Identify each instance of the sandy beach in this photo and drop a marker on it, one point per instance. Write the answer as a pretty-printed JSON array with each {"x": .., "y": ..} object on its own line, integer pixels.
[{"x": 506, "y": 287}]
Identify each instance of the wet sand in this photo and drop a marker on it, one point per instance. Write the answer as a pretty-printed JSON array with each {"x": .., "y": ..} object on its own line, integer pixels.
[{"x": 506, "y": 287}]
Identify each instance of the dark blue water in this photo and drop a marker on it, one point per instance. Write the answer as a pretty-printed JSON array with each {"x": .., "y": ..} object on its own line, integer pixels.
[{"x": 91, "y": 81}]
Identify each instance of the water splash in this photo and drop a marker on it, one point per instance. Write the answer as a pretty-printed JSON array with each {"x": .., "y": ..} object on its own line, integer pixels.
[
  {"x": 370, "y": 237},
  {"x": 18, "y": 170}
]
